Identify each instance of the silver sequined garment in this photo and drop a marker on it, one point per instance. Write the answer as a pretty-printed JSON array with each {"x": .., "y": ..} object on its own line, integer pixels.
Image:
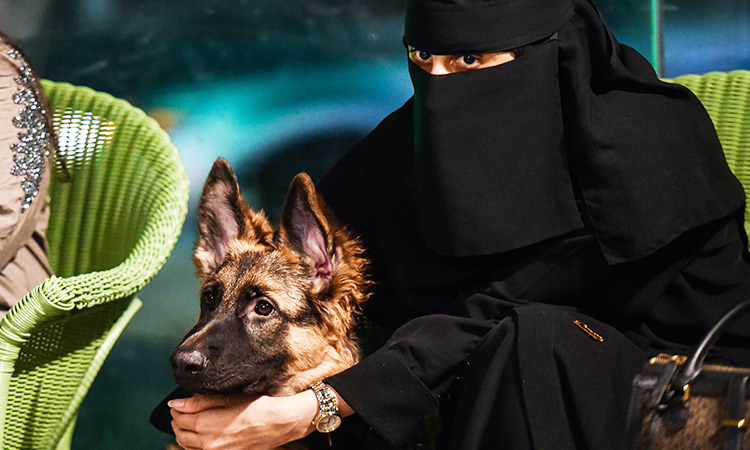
[{"x": 33, "y": 144}]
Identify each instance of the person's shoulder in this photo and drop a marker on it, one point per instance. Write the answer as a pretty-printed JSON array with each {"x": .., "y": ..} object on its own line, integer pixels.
[
  {"x": 390, "y": 137},
  {"x": 371, "y": 167},
  {"x": 385, "y": 148},
  {"x": 399, "y": 120}
]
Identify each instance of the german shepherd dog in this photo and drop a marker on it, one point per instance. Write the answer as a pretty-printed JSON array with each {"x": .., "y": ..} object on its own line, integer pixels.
[{"x": 277, "y": 306}]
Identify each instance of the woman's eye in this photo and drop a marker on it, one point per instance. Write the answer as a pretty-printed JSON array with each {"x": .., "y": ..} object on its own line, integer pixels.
[
  {"x": 419, "y": 55},
  {"x": 263, "y": 308},
  {"x": 469, "y": 59}
]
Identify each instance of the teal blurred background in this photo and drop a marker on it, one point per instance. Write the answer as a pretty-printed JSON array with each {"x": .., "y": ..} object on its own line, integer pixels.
[{"x": 276, "y": 87}]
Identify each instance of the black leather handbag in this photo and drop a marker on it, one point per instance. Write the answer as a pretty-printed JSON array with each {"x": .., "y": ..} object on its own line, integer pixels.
[{"x": 678, "y": 402}]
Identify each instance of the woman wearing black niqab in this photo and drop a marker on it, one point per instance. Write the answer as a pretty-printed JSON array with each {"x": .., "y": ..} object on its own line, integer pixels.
[
  {"x": 501, "y": 205},
  {"x": 537, "y": 229}
]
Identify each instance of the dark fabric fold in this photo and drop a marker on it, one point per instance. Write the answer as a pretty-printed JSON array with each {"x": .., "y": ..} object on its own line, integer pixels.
[
  {"x": 407, "y": 401},
  {"x": 644, "y": 153}
]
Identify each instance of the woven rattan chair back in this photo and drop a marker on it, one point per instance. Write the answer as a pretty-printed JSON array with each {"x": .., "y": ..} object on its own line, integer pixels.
[{"x": 118, "y": 201}]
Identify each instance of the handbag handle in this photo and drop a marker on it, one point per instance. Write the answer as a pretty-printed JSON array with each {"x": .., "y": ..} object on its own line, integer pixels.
[{"x": 694, "y": 363}]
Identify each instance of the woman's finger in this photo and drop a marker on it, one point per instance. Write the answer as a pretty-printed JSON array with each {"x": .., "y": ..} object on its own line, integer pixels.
[
  {"x": 185, "y": 421},
  {"x": 187, "y": 439},
  {"x": 198, "y": 403}
]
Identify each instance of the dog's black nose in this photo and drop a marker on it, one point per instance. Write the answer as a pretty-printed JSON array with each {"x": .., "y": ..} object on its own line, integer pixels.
[{"x": 188, "y": 362}]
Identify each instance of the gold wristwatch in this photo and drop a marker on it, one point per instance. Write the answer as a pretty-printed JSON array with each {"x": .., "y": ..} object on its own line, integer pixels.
[{"x": 328, "y": 418}]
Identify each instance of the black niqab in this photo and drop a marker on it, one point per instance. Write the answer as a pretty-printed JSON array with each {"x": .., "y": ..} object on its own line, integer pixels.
[{"x": 481, "y": 139}]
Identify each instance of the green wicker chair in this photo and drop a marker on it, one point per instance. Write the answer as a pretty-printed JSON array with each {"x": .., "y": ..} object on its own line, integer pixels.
[{"x": 114, "y": 222}]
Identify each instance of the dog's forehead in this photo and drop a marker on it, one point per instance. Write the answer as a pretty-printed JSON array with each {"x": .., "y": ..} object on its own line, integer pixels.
[{"x": 270, "y": 269}]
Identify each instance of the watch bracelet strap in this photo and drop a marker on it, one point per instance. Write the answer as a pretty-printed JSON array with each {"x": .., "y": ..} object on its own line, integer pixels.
[{"x": 327, "y": 401}]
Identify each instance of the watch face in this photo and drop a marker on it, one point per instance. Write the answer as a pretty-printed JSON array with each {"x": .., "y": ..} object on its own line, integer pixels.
[{"x": 326, "y": 424}]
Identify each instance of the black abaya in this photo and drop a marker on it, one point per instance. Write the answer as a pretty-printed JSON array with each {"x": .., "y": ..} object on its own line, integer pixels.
[{"x": 446, "y": 309}]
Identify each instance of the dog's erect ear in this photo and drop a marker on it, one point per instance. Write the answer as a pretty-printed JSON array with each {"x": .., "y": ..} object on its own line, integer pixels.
[
  {"x": 305, "y": 226},
  {"x": 223, "y": 216}
]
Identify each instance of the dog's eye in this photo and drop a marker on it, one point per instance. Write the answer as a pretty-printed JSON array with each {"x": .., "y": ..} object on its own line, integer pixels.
[
  {"x": 208, "y": 296},
  {"x": 263, "y": 308}
]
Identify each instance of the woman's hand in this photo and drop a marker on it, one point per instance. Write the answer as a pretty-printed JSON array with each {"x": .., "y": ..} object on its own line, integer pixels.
[{"x": 241, "y": 422}]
